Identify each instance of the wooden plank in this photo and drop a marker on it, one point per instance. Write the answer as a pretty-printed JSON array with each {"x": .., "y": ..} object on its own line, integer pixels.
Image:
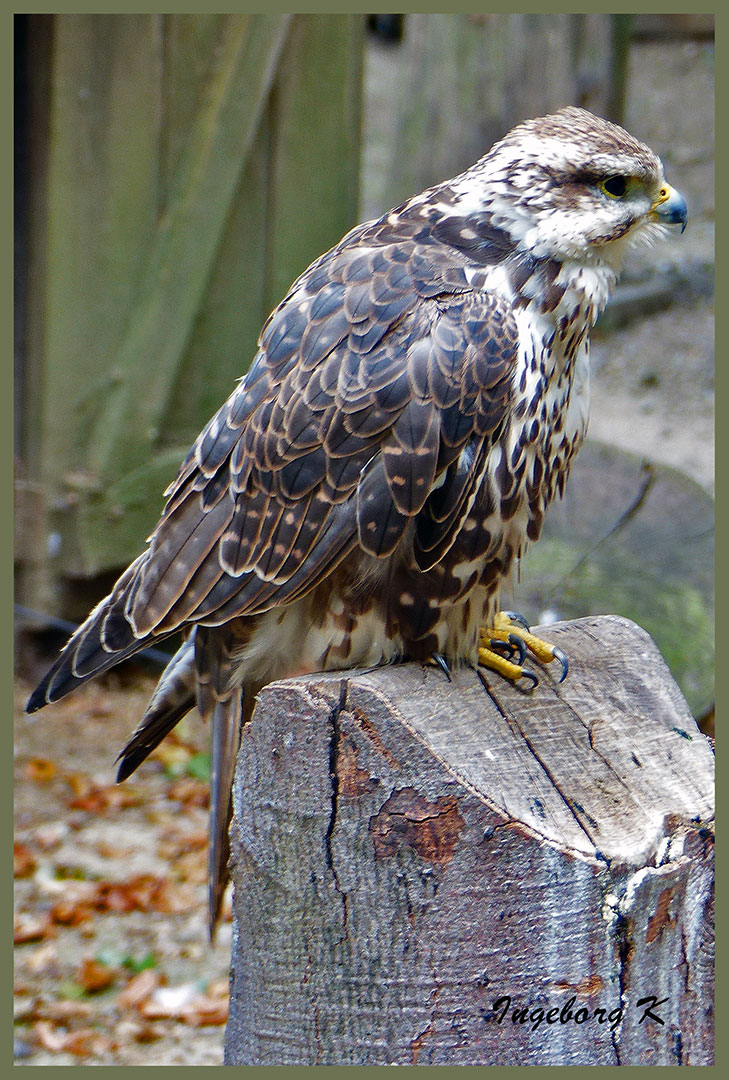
[
  {"x": 101, "y": 207},
  {"x": 315, "y": 125},
  {"x": 273, "y": 227},
  {"x": 128, "y": 508},
  {"x": 185, "y": 242},
  {"x": 408, "y": 853},
  {"x": 448, "y": 102},
  {"x": 223, "y": 339},
  {"x": 189, "y": 50},
  {"x": 165, "y": 237},
  {"x": 277, "y": 224},
  {"x": 466, "y": 79},
  {"x": 127, "y": 427},
  {"x": 540, "y": 72}
]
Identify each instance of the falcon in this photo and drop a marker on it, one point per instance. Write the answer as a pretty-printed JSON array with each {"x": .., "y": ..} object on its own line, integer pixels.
[{"x": 413, "y": 408}]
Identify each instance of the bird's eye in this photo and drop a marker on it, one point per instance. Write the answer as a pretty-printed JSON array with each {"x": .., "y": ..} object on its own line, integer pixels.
[{"x": 615, "y": 186}]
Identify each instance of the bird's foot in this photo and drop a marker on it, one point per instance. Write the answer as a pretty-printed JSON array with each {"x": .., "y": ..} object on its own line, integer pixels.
[{"x": 505, "y": 645}]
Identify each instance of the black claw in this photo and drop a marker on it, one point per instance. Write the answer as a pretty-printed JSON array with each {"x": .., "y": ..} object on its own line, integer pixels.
[
  {"x": 519, "y": 647},
  {"x": 515, "y": 617},
  {"x": 442, "y": 664},
  {"x": 526, "y": 674},
  {"x": 502, "y": 648},
  {"x": 559, "y": 655}
]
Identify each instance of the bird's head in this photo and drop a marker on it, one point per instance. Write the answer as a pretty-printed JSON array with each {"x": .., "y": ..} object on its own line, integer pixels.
[{"x": 573, "y": 186}]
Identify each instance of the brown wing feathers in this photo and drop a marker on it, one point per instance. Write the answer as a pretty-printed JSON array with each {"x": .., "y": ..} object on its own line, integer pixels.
[{"x": 362, "y": 387}]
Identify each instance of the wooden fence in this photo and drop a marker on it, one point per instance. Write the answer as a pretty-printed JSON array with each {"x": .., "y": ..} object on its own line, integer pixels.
[{"x": 184, "y": 169}]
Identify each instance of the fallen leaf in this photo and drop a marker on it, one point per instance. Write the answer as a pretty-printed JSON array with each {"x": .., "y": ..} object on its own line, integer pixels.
[
  {"x": 49, "y": 835},
  {"x": 94, "y": 976},
  {"x": 175, "y": 842},
  {"x": 40, "y": 770},
  {"x": 169, "y": 1002},
  {"x": 80, "y": 1043},
  {"x": 206, "y": 1012},
  {"x": 24, "y": 1008},
  {"x": 146, "y": 892},
  {"x": 64, "y": 1011},
  {"x": 189, "y": 791},
  {"x": 113, "y": 851},
  {"x": 43, "y": 961},
  {"x": 98, "y": 798},
  {"x": 69, "y": 889},
  {"x": 138, "y": 989},
  {"x": 210, "y": 1007},
  {"x": 23, "y": 861},
  {"x": 140, "y": 1030},
  {"x": 71, "y": 912},
  {"x": 31, "y": 927},
  {"x": 188, "y": 1004},
  {"x": 192, "y": 867},
  {"x": 50, "y": 1037}
]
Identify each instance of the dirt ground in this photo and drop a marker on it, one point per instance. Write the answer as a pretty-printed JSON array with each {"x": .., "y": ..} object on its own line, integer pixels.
[{"x": 112, "y": 960}]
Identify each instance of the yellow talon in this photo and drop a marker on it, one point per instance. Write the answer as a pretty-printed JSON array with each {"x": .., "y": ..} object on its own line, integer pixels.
[
  {"x": 506, "y": 630},
  {"x": 495, "y": 662}
]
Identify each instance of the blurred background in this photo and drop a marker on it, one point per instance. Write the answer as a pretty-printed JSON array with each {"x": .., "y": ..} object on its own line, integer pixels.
[{"x": 174, "y": 174}]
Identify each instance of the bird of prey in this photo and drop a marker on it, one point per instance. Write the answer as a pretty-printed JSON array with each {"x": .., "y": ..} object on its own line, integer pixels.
[{"x": 412, "y": 409}]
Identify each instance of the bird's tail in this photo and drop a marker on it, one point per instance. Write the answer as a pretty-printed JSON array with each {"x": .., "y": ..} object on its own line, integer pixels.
[
  {"x": 102, "y": 641},
  {"x": 198, "y": 673},
  {"x": 173, "y": 698},
  {"x": 219, "y": 699}
]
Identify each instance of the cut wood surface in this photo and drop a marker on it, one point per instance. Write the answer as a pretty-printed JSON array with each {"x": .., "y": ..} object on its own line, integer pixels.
[{"x": 461, "y": 873}]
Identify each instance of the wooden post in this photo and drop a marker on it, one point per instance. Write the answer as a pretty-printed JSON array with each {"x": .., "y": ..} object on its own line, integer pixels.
[{"x": 439, "y": 873}]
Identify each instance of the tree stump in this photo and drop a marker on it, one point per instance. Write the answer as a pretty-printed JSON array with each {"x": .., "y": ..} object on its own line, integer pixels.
[{"x": 452, "y": 873}]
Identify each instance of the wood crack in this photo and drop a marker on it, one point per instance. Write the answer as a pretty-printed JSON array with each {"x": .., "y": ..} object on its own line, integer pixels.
[
  {"x": 334, "y": 738},
  {"x": 573, "y": 809}
]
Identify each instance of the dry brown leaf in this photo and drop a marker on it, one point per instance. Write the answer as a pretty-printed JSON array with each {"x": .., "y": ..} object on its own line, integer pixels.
[
  {"x": 50, "y": 1037},
  {"x": 23, "y": 861},
  {"x": 138, "y": 989},
  {"x": 43, "y": 961},
  {"x": 188, "y": 1005},
  {"x": 80, "y": 1043},
  {"x": 25, "y": 1007},
  {"x": 175, "y": 842},
  {"x": 206, "y": 1011},
  {"x": 192, "y": 867},
  {"x": 210, "y": 1007},
  {"x": 140, "y": 1030},
  {"x": 176, "y": 897},
  {"x": 94, "y": 976},
  {"x": 50, "y": 834},
  {"x": 112, "y": 851},
  {"x": 98, "y": 798},
  {"x": 189, "y": 791},
  {"x": 169, "y": 1002},
  {"x": 32, "y": 927},
  {"x": 39, "y": 770},
  {"x": 72, "y": 912},
  {"x": 146, "y": 892},
  {"x": 61, "y": 1012}
]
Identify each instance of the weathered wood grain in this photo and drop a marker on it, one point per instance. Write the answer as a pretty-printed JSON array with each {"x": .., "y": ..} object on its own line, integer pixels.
[{"x": 440, "y": 873}]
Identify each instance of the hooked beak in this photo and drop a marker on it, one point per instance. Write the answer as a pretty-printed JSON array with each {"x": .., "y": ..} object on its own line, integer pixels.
[{"x": 670, "y": 207}]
